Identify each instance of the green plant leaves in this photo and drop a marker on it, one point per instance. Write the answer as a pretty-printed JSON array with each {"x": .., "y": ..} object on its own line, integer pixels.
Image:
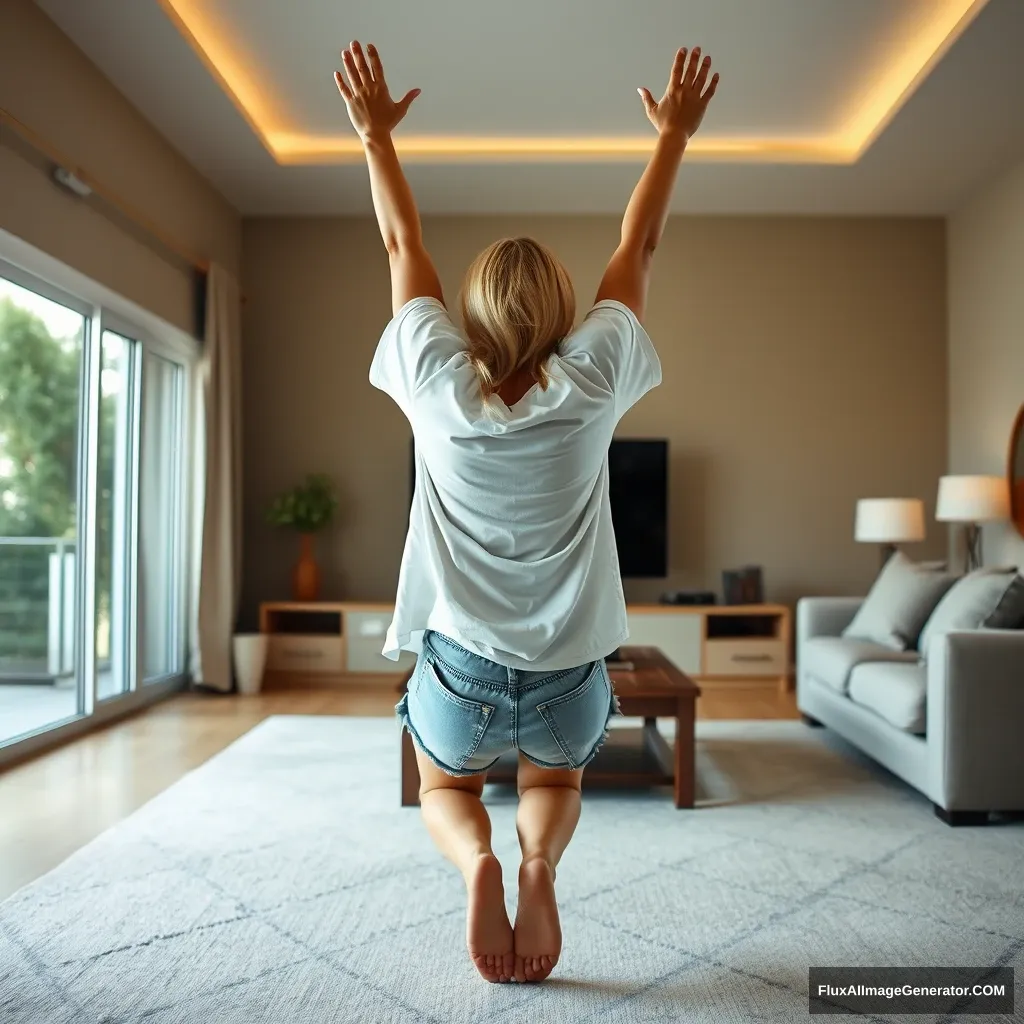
[{"x": 308, "y": 507}]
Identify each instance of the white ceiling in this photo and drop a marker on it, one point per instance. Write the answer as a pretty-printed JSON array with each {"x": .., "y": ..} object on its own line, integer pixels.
[{"x": 790, "y": 69}]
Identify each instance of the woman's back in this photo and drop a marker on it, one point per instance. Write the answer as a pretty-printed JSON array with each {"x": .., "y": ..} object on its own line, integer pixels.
[{"x": 510, "y": 543}]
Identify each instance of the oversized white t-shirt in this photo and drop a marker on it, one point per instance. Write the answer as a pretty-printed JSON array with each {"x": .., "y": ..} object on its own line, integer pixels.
[{"x": 510, "y": 549}]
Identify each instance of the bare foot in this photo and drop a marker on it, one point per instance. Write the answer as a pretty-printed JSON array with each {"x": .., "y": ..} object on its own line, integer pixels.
[
  {"x": 538, "y": 935},
  {"x": 488, "y": 933}
]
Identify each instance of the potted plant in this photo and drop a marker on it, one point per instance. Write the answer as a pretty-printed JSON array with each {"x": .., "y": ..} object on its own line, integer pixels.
[{"x": 307, "y": 508}]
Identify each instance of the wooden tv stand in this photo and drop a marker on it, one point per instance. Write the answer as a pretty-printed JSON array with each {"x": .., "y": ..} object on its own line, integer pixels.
[
  {"x": 338, "y": 642},
  {"x": 718, "y": 644}
]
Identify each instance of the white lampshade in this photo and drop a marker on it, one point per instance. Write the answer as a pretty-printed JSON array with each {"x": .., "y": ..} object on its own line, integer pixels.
[
  {"x": 972, "y": 499},
  {"x": 889, "y": 520}
]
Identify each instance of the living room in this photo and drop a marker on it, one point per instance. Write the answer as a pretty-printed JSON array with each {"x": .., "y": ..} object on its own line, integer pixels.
[{"x": 207, "y": 802}]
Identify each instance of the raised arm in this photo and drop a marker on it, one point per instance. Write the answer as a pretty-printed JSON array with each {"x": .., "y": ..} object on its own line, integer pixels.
[
  {"x": 374, "y": 115},
  {"x": 677, "y": 115}
]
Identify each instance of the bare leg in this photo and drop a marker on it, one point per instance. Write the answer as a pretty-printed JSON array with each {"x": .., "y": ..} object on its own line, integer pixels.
[
  {"x": 549, "y": 808},
  {"x": 458, "y": 823}
]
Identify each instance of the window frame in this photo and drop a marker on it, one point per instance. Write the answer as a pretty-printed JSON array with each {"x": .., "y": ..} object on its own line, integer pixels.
[{"x": 104, "y": 309}]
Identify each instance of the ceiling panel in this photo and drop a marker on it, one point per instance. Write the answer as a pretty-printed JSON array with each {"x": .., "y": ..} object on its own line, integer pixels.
[
  {"x": 789, "y": 66},
  {"x": 572, "y": 67}
]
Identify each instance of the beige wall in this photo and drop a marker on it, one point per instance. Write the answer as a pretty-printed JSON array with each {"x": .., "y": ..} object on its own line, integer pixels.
[
  {"x": 804, "y": 367},
  {"x": 51, "y": 86},
  {"x": 986, "y": 339}
]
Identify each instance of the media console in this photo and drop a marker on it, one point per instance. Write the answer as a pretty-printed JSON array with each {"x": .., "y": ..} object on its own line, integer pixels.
[
  {"x": 725, "y": 644},
  {"x": 327, "y": 643}
]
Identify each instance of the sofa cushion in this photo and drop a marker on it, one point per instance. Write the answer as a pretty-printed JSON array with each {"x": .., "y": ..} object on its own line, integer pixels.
[
  {"x": 831, "y": 659},
  {"x": 983, "y": 599},
  {"x": 899, "y": 603},
  {"x": 894, "y": 691}
]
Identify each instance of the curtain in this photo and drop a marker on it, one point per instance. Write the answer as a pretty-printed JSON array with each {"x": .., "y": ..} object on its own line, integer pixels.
[{"x": 218, "y": 479}]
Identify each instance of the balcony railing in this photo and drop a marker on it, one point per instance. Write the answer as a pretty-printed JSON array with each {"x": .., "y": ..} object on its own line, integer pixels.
[{"x": 37, "y": 608}]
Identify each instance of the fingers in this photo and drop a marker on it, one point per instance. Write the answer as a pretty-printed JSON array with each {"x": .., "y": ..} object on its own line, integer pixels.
[
  {"x": 691, "y": 69},
  {"x": 354, "y": 81},
  {"x": 376, "y": 68},
  {"x": 711, "y": 88},
  {"x": 360, "y": 62},
  {"x": 343, "y": 88},
  {"x": 649, "y": 102},
  {"x": 675, "y": 77},
  {"x": 702, "y": 75}
]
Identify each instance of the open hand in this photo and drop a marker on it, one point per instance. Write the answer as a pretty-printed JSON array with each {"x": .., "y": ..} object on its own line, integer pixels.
[
  {"x": 370, "y": 106},
  {"x": 686, "y": 99}
]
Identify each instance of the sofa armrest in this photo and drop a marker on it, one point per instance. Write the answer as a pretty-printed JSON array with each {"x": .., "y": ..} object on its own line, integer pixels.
[
  {"x": 975, "y": 720},
  {"x": 824, "y": 616}
]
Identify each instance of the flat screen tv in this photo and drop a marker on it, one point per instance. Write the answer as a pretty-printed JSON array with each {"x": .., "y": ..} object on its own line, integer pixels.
[
  {"x": 638, "y": 486},
  {"x": 638, "y": 491}
]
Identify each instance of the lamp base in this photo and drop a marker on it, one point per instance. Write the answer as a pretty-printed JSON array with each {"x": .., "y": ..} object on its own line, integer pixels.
[
  {"x": 972, "y": 542},
  {"x": 886, "y": 551}
]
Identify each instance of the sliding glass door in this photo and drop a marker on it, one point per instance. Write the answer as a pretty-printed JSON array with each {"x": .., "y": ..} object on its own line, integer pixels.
[
  {"x": 42, "y": 346},
  {"x": 93, "y": 507},
  {"x": 161, "y": 530},
  {"x": 113, "y": 515}
]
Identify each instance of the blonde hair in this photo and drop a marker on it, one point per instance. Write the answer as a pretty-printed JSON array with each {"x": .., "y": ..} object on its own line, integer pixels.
[{"x": 517, "y": 304}]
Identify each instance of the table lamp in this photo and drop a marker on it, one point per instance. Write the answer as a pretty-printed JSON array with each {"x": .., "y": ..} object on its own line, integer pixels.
[
  {"x": 972, "y": 500},
  {"x": 888, "y": 522}
]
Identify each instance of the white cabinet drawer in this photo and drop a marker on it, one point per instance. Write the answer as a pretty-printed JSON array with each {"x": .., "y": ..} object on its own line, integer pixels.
[
  {"x": 296, "y": 652},
  {"x": 365, "y": 641},
  {"x": 677, "y": 635},
  {"x": 745, "y": 657},
  {"x": 364, "y": 656}
]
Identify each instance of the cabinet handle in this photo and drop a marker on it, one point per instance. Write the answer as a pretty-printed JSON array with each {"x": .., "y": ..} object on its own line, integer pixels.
[{"x": 751, "y": 657}]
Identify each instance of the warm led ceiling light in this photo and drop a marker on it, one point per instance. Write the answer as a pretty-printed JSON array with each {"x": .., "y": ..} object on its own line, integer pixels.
[{"x": 912, "y": 61}]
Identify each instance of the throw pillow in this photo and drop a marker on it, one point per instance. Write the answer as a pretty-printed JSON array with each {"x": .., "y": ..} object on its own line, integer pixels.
[
  {"x": 899, "y": 604},
  {"x": 983, "y": 599}
]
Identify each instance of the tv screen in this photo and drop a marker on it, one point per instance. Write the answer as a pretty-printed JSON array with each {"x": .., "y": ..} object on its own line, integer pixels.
[
  {"x": 638, "y": 491},
  {"x": 638, "y": 485}
]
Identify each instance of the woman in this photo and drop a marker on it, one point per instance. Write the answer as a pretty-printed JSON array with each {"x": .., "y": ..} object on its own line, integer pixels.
[{"x": 509, "y": 589}]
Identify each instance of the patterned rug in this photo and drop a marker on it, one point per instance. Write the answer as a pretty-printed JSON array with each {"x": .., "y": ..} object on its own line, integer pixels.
[{"x": 282, "y": 882}]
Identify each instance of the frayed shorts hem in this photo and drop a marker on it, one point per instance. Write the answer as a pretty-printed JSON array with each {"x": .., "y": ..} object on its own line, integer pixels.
[
  {"x": 402, "y": 713},
  {"x": 458, "y": 773}
]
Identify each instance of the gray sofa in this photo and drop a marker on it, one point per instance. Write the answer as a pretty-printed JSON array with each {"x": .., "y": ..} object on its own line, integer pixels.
[{"x": 949, "y": 720}]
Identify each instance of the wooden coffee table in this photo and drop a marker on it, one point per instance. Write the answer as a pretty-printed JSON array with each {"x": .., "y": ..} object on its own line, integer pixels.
[{"x": 648, "y": 686}]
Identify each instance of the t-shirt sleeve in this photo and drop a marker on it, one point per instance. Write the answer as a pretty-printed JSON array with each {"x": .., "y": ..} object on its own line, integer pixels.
[
  {"x": 617, "y": 346},
  {"x": 417, "y": 343}
]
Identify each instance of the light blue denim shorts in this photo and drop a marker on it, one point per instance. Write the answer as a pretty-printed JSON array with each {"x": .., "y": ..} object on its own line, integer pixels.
[{"x": 464, "y": 711}]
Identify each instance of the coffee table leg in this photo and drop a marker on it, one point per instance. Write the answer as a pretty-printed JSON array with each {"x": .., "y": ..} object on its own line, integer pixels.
[
  {"x": 410, "y": 772},
  {"x": 685, "y": 754}
]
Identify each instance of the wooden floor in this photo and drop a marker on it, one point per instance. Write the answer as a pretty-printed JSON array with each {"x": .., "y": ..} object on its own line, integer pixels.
[{"x": 57, "y": 802}]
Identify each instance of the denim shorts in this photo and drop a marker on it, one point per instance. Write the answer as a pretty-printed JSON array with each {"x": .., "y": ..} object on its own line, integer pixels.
[{"x": 465, "y": 711}]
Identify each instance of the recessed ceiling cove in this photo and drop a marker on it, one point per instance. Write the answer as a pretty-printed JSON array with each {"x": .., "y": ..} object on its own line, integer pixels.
[{"x": 541, "y": 81}]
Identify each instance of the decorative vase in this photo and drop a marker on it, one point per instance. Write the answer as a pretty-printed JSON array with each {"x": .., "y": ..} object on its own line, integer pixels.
[
  {"x": 306, "y": 575},
  {"x": 250, "y": 657}
]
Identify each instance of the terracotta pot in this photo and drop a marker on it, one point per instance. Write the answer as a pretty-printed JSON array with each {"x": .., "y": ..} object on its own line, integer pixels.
[{"x": 306, "y": 575}]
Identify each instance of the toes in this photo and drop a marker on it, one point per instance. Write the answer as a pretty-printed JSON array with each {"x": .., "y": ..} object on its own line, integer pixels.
[
  {"x": 484, "y": 963},
  {"x": 498, "y": 967},
  {"x": 519, "y": 971}
]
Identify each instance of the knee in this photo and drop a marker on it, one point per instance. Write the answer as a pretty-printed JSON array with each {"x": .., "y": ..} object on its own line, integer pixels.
[
  {"x": 569, "y": 785},
  {"x": 453, "y": 784}
]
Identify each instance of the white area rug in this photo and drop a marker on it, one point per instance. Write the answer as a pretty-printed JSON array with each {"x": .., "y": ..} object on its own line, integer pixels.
[{"x": 282, "y": 882}]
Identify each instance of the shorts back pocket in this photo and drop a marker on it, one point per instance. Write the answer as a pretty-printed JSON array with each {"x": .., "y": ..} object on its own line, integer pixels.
[
  {"x": 578, "y": 719},
  {"x": 448, "y": 725}
]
